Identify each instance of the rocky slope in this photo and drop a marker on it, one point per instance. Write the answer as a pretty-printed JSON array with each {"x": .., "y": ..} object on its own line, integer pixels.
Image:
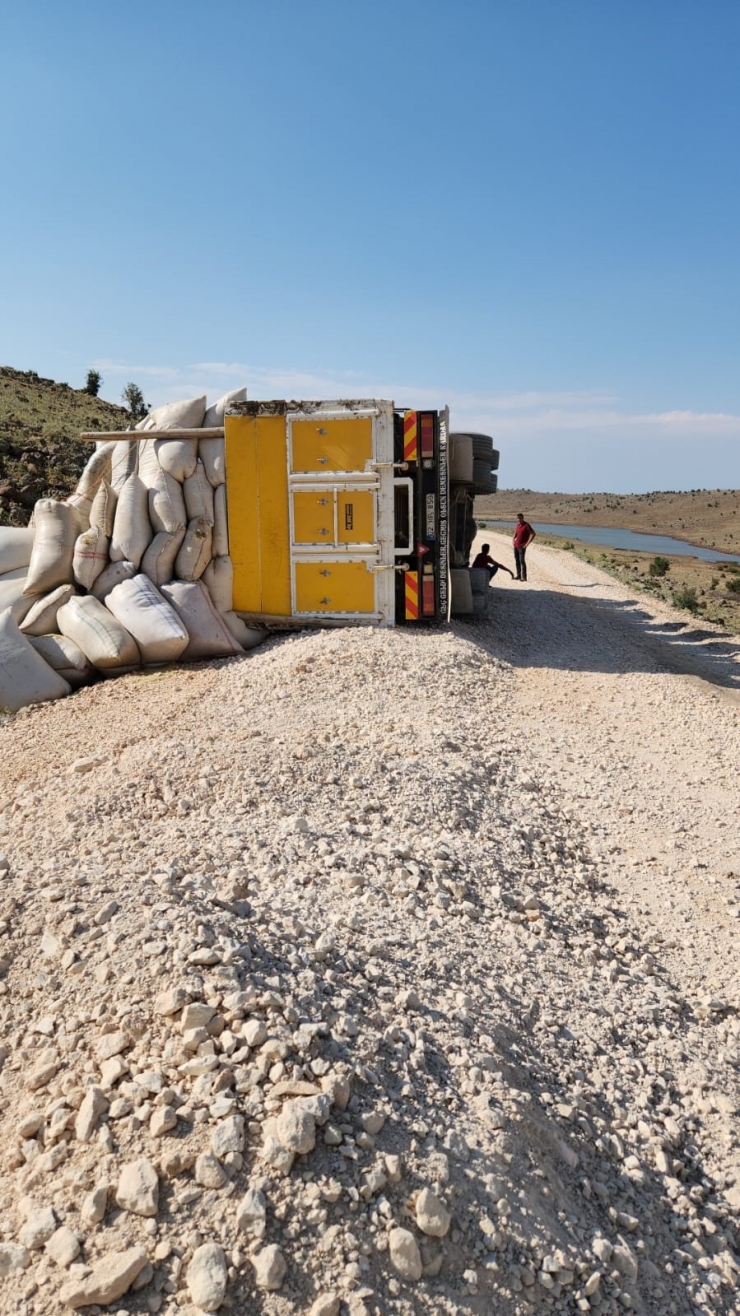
[
  {"x": 40, "y": 452},
  {"x": 327, "y": 989}
]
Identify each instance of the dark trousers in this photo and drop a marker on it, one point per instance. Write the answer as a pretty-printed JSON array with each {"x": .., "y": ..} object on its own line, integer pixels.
[{"x": 521, "y": 565}]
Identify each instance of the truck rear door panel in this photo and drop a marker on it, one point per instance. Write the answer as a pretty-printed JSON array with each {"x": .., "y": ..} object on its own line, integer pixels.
[{"x": 322, "y": 444}]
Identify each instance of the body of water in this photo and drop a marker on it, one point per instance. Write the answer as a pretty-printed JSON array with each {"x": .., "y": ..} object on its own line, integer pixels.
[{"x": 630, "y": 540}]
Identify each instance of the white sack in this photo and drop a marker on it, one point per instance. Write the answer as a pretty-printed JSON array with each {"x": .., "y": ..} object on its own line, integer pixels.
[
  {"x": 166, "y": 503},
  {"x": 195, "y": 553},
  {"x": 219, "y": 578},
  {"x": 176, "y": 416},
  {"x": 177, "y": 456},
  {"x": 247, "y": 636},
  {"x": 209, "y": 638},
  {"x": 12, "y": 585},
  {"x": 24, "y": 676},
  {"x": 41, "y": 618},
  {"x": 158, "y": 563},
  {"x": 216, "y": 412},
  {"x": 220, "y": 546},
  {"x": 114, "y": 573},
  {"x": 102, "y": 639},
  {"x": 152, "y": 621},
  {"x": 213, "y": 456},
  {"x": 132, "y": 532},
  {"x": 103, "y": 509},
  {"x": 199, "y": 495},
  {"x": 90, "y": 557},
  {"x": 123, "y": 464},
  {"x": 66, "y": 658},
  {"x": 16, "y": 546},
  {"x": 99, "y": 467},
  {"x": 57, "y": 528}
]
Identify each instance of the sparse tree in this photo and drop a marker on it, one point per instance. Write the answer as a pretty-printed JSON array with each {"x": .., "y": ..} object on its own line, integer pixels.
[
  {"x": 93, "y": 382},
  {"x": 133, "y": 398}
]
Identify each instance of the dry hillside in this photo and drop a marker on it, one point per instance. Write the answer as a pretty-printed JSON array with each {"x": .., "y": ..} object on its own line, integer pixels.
[{"x": 40, "y": 452}]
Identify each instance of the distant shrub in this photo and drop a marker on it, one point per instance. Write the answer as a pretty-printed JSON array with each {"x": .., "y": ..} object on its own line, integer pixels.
[
  {"x": 686, "y": 597},
  {"x": 93, "y": 382},
  {"x": 714, "y": 582},
  {"x": 569, "y": 545},
  {"x": 660, "y": 566},
  {"x": 734, "y": 585}
]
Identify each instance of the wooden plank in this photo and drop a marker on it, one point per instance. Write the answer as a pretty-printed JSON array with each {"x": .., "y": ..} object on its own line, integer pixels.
[{"x": 136, "y": 436}]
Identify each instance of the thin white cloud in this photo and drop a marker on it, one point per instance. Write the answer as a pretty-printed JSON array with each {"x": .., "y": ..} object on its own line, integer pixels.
[{"x": 519, "y": 416}]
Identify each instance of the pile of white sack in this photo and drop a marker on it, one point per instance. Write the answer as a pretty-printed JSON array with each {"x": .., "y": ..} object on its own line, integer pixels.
[{"x": 132, "y": 569}]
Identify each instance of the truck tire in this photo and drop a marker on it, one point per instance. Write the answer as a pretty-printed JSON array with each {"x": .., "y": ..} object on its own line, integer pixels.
[
  {"x": 461, "y": 459},
  {"x": 484, "y": 480},
  {"x": 461, "y": 593},
  {"x": 479, "y": 580},
  {"x": 482, "y": 445},
  {"x": 480, "y": 604}
]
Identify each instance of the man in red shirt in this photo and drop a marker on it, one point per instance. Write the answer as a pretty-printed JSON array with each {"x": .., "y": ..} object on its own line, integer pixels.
[{"x": 523, "y": 536}]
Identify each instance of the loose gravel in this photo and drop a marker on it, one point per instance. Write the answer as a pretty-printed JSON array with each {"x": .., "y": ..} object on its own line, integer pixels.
[{"x": 384, "y": 972}]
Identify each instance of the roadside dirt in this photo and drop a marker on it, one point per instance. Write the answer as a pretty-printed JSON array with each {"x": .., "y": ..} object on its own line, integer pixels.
[{"x": 636, "y": 709}]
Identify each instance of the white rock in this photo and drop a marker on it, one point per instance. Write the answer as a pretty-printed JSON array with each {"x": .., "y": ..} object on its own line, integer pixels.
[
  {"x": 13, "y": 1257},
  {"x": 254, "y": 1032},
  {"x": 171, "y": 1001},
  {"x": 228, "y": 1136},
  {"x": 432, "y": 1216},
  {"x": 327, "y": 1304},
  {"x": 39, "y": 1227},
  {"x": 110, "y": 1278},
  {"x": 251, "y": 1211},
  {"x": 196, "y": 1015},
  {"x": 269, "y": 1267},
  {"x": 404, "y": 1253},
  {"x": 111, "y": 1044},
  {"x": 138, "y": 1188},
  {"x": 93, "y": 1207},
  {"x": 209, "y": 1172},
  {"x": 207, "y": 1277},
  {"x": 163, "y": 1119},
  {"x": 94, "y": 1103},
  {"x": 63, "y": 1246},
  {"x": 296, "y": 1128}
]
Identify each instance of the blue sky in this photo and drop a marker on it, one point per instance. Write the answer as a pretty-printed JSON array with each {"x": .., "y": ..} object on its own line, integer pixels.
[{"x": 529, "y": 210}]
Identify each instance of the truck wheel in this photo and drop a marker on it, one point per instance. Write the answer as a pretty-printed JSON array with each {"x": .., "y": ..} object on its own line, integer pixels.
[
  {"x": 484, "y": 480},
  {"x": 478, "y": 580},
  {"x": 461, "y": 459},
  {"x": 482, "y": 446},
  {"x": 480, "y": 604},
  {"x": 461, "y": 593}
]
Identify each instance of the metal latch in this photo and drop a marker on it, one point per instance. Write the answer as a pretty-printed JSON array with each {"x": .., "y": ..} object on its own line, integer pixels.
[{"x": 388, "y": 466}]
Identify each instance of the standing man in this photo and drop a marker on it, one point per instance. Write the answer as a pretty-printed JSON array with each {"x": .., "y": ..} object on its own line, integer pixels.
[{"x": 523, "y": 536}]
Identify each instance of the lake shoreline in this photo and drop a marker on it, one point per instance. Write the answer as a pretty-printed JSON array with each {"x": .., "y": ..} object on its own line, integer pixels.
[{"x": 501, "y": 522}]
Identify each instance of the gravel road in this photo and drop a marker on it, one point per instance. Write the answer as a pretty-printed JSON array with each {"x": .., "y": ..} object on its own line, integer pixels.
[{"x": 383, "y": 972}]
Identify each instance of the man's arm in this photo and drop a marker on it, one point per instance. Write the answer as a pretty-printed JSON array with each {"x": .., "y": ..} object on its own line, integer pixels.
[{"x": 501, "y": 567}]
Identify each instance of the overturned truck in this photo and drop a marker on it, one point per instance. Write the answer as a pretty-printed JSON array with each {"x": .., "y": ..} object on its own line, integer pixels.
[{"x": 191, "y": 536}]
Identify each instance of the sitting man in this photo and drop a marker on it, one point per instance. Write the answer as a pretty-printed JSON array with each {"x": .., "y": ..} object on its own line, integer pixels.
[{"x": 485, "y": 562}]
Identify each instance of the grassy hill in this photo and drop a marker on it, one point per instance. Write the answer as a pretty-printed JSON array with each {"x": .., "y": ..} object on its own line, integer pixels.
[{"x": 40, "y": 451}]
